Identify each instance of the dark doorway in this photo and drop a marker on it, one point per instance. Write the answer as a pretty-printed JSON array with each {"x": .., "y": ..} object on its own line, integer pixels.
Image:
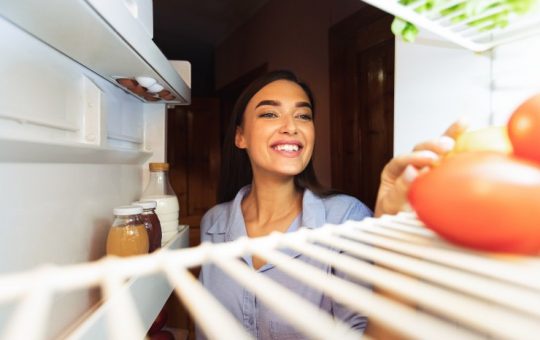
[
  {"x": 193, "y": 151},
  {"x": 362, "y": 101}
]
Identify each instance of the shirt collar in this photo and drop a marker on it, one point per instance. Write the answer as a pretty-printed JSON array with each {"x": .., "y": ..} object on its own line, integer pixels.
[
  {"x": 313, "y": 216},
  {"x": 233, "y": 226},
  {"x": 313, "y": 210}
]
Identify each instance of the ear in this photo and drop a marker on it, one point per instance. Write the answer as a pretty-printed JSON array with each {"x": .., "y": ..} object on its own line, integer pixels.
[{"x": 239, "y": 139}]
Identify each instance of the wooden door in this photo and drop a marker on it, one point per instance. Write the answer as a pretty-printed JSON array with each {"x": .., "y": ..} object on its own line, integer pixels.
[
  {"x": 362, "y": 105},
  {"x": 193, "y": 151}
]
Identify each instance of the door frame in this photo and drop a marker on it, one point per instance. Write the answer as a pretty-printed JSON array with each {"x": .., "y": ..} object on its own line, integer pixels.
[{"x": 344, "y": 37}]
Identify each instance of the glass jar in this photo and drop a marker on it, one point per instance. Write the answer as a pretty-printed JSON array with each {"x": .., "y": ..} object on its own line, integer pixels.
[
  {"x": 151, "y": 223},
  {"x": 127, "y": 235},
  {"x": 160, "y": 190}
]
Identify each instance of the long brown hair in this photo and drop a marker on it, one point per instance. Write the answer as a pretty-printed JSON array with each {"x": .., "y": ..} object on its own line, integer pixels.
[{"x": 235, "y": 165}]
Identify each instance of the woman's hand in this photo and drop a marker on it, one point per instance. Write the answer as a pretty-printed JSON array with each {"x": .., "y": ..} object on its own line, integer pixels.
[{"x": 400, "y": 172}]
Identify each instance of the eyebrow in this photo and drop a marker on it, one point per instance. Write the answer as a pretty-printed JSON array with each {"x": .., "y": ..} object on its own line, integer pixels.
[{"x": 278, "y": 103}]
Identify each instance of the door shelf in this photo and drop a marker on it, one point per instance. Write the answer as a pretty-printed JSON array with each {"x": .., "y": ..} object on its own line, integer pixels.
[
  {"x": 101, "y": 35},
  {"x": 22, "y": 151},
  {"x": 148, "y": 294}
]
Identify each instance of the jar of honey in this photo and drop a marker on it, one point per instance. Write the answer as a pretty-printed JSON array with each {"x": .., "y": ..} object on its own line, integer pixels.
[{"x": 128, "y": 235}]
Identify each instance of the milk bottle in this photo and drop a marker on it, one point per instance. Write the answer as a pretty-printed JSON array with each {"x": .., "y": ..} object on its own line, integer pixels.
[{"x": 159, "y": 190}]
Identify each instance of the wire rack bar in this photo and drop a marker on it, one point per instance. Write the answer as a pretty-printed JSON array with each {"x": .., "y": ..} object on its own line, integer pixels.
[
  {"x": 36, "y": 303},
  {"x": 124, "y": 310},
  {"x": 445, "y": 5},
  {"x": 451, "y": 257},
  {"x": 461, "y": 32},
  {"x": 482, "y": 315},
  {"x": 306, "y": 317},
  {"x": 362, "y": 300},
  {"x": 486, "y": 14},
  {"x": 498, "y": 292},
  {"x": 205, "y": 309}
]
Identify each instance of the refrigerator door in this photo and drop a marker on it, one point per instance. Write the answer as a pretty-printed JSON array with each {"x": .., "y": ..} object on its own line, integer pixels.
[{"x": 105, "y": 37}]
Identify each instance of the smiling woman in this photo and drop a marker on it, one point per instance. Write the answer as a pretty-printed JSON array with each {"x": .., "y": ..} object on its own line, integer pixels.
[{"x": 268, "y": 184}]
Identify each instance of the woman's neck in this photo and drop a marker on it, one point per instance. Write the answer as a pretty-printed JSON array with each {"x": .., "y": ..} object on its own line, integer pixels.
[
  {"x": 271, "y": 205},
  {"x": 271, "y": 199}
]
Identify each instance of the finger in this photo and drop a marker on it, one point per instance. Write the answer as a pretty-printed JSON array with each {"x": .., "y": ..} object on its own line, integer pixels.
[
  {"x": 397, "y": 197},
  {"x": 409, "y": 175},
  {"x": 457, "y": 128},
  {"x": 440, "y": 145},
  {"x": 418, "y": 159}
]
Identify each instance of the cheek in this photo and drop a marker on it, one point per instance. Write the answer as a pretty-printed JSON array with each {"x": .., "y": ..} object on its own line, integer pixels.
[
  {"x": 309, "y": 134},
  {"x": 255, "y": 137}
]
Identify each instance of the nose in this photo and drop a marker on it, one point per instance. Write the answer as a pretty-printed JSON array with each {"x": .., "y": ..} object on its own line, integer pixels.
[{"x": 289, "y": 125}]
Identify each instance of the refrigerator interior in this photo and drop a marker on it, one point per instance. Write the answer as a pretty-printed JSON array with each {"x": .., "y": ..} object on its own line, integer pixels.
[
  {"x": 48, "y": 162},
  {"x": 72, "y": 147}
]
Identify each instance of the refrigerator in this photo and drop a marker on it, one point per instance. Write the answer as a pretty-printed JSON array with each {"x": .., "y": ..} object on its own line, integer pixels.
[
  {"x": 76, "y": 142},
  {"x": 76, "y": 137}
]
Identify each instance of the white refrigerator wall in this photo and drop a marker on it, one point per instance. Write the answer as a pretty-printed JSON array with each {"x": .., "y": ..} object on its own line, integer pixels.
[
  {"x": 437, "y": 82},
  {"x": 60, "y": 212},
  {"x": 515, "y": 76}
]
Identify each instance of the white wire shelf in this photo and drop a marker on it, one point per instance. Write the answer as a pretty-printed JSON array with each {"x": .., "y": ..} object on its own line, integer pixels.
[
  {"x": 476, "y": 38},
  {"x": 443, "y": 291}
]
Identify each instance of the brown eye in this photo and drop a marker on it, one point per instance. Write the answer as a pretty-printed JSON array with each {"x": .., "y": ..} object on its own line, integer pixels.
[
  {"x": 306, "y": 116},
  {"x": 267, "y": 115}
]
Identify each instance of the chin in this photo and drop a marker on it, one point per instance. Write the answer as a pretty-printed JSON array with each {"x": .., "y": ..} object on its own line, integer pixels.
[{"x": 289, "y": 170}]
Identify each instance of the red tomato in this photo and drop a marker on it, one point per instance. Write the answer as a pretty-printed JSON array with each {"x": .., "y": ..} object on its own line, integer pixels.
[
  {"x": 524, "y": 129},
  {"x": 483, "y": 200}
]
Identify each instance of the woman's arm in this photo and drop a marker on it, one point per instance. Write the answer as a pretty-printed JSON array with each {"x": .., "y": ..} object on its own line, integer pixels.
[{"x": 401, "y": 171}]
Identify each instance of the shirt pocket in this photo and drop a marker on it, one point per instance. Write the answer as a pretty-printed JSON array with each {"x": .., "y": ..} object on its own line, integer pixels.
[
  {"x": 283, "y": 331},
  {"x": 214, "y": 238}
]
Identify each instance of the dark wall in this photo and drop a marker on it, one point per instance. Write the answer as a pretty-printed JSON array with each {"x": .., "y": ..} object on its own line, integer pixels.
[
  {"x": 172, "y": 35},
  {"x": 201, "y": 57}
]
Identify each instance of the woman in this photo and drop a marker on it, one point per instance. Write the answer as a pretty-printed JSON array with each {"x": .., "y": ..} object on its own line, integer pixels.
[{"x": 268, "y": 184}]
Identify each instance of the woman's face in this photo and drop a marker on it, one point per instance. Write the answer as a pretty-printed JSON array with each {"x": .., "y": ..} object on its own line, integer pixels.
[{"x": 277, "y": 131}]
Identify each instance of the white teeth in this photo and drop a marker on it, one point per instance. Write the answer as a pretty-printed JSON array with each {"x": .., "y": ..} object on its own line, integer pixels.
[{"x": 287, "y": 147}]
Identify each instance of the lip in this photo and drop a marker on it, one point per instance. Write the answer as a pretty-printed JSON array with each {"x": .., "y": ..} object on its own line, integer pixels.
[{"x": 285, "y": 153}]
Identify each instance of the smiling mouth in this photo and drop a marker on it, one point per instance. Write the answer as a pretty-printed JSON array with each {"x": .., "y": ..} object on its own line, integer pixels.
[{"x": 287, "y": 147}]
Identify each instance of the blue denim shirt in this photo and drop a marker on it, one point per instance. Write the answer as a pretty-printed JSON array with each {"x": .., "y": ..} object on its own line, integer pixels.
[{"x": 225, "y": 222}]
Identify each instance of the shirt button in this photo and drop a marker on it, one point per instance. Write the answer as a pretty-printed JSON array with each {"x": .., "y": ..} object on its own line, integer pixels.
[{"x": 250, "y": 321}]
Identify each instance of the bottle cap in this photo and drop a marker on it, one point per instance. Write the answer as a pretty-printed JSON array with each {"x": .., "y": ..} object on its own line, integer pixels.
[
  {"x": 159, "y": 166},
  {"x": 146, "y": 204},
  {"x": 127, "y": 210}
]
